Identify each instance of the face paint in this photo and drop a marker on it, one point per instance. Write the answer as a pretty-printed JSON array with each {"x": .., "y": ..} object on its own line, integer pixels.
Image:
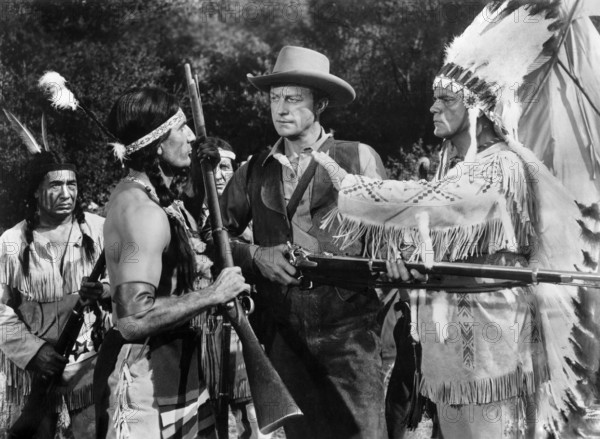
[{"x": 56, "y": 195}]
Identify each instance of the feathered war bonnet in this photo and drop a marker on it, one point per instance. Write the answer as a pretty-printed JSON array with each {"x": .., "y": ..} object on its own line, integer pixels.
[{"x": 489, "y": 61}]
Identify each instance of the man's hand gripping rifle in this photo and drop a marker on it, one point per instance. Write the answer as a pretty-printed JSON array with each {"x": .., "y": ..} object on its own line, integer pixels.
[
  {"x": 272, "y": 400},
  {"x": 38, "y": 407},
  {"x": 353, "y": 272}
]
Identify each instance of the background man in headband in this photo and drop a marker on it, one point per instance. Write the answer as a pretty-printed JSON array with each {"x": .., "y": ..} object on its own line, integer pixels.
[
  {"x": 42, "y": 263},
  {"x": 150, "y": 384}
]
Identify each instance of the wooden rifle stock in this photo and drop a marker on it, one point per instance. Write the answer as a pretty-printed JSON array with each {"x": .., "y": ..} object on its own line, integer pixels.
[
  {"x": 272, "y": 400},
  {"x": 35, "y": 413}
]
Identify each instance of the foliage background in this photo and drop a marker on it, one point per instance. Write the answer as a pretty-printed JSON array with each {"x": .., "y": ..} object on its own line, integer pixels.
[{"x": 388, "y": 50}]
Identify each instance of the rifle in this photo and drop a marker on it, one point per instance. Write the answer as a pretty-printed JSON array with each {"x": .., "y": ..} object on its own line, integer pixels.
[
  {"x": 272, "y": 400},
  {"x": 35, "y": 413},
  {"x": 328, "y": 269}
]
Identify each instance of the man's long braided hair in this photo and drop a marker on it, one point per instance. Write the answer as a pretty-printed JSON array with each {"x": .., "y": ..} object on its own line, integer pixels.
[
  {"x": 136, "y": 113},
  {"x": 34, "y": 179}
]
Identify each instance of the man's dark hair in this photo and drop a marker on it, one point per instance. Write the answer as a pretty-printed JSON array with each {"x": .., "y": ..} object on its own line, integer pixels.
[
  {"x": 136, "y": 113},
  {"x": 318, "y": 94},
  {"x": 34, "y": 179}
]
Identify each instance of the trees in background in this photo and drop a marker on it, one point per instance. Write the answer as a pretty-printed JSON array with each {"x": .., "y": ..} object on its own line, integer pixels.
[{"x": 388, "y": 50}]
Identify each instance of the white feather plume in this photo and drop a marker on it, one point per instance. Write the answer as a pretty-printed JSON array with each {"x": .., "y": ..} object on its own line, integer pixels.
[
  {"x": 32, "y": 146},
  {"x": 119, "y": 150},
  {"x": 54, "y": 85},
  {"x": 501, "y": 49}
]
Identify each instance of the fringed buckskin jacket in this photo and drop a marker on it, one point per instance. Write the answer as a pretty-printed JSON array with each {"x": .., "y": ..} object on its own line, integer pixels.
[
  {"x": 35, "y": 308},
  {"x": 505, "y": 208}
]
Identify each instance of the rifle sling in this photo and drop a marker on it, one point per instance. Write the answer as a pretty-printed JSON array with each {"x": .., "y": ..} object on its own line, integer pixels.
[{"x": 300, "y": 189}]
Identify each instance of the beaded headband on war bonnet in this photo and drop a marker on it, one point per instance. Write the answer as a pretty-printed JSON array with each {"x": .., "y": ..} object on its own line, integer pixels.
[
  {"x": 122, "y": 151},
  {"x": 488, "y": 63}
]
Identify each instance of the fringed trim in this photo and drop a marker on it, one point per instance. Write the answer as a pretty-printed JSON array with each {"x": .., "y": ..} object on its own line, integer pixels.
[
  {"x": 18, "y": 381},
  {"x": 461, "y": 241},
  {"x": 18, "y": 387},
  {"x": 457, "y": 242},
  {"x": 241, "y": 390},
  {"x": 120, "y": 416},
  {"x": 482, "y": 391},
  {"x": 45, "y": 282},
  {"x": 40, "y": 286},
  {"x": 80, "y": 398},
  {"x": 520, "y": 202}
]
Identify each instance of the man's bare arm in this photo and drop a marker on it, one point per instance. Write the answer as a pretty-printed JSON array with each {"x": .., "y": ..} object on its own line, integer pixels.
[{"x": 139, "y": 313}]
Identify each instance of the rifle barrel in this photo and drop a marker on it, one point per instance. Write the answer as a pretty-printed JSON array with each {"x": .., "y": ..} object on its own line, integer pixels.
[
  {"x": 362, "y": 266},
  {"x": 272, "y": 400},
  {"x": 70, "y": 331},
  {"x": 37, "y": 406}
]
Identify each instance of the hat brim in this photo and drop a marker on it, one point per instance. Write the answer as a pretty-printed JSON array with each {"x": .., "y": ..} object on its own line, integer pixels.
[{"x": 338, "y": 91}]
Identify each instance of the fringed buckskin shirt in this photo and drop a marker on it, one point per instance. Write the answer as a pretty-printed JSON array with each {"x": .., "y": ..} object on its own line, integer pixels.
[
  {"x": 34, "y": 308},
  {"x": 505, "y": 208}
]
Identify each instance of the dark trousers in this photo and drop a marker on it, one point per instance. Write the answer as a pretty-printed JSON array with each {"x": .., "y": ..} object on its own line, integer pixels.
[
  {"x": 326, "y": 347},
  {"x": 402, "y": 386}
]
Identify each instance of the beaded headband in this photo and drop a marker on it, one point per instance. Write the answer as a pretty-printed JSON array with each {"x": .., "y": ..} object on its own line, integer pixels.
[
  {"x": 484, "y": 100},
  {"x": 443, "y": 82},
  {"x": 121, "y": 151},
  {"x": 492, "y": 57}
]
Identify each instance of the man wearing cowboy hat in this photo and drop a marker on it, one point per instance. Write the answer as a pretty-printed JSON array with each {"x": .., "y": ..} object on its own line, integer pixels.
[{"x": 323, "y": 340}]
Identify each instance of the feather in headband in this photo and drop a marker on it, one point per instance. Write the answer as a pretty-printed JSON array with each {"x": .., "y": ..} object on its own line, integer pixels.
[
  {"x": 53, "y": 84},
  {"x": 30, "y": 143},
  {"x": 49, "y": 162}
]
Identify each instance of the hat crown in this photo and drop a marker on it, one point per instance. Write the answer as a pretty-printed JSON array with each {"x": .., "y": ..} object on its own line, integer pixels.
[
  {"x": 306, "y": 68},
  {"x": 293, "y": 58}
]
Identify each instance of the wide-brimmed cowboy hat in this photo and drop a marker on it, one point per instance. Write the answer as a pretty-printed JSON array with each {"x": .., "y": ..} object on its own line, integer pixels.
[{"x": 305, "y": 67}]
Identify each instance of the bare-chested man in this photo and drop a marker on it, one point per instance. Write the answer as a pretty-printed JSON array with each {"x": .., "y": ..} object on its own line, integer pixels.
[{"x": 161, "y": 279}]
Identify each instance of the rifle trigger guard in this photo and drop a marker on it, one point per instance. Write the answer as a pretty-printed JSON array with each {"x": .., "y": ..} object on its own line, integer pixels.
[
  {"x": 305, "y": 284},
  {"x": 247, "y": 303}
]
